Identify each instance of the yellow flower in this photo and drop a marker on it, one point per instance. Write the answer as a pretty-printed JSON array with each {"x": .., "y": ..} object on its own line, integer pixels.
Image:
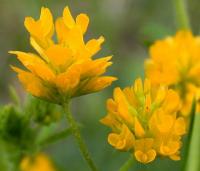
[
  {"x": 39, "y": 163},
  {"x": 64, "y": 68},
  {"x": 144, "y": 121},
  {"x": 175, "y": 61}
]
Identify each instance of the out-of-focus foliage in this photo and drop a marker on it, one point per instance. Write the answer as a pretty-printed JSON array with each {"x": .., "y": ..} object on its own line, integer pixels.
[
  {"x": 25, "y": 129},
  {"x": 129, "y": 27}
]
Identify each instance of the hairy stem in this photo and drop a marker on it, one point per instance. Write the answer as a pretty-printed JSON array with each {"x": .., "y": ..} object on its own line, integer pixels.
[{"x": 77, "y": 135}]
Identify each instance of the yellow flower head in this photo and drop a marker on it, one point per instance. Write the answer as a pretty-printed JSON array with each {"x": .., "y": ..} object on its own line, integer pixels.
[
  {"x": 64, "y": 68},
  {"x": 40, "y": 163},
  {"x": 144, "y": 121},
  {"x": 175, "y": 61}
]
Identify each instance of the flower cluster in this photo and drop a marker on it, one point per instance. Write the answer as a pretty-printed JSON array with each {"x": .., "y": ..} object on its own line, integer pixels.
[
  {"x": 175, "y": 62},
  {"x": 64, "y": 68},
  {"x": 39, "y": 163},
  {"x": 145, "y": 118},
  {"x": 144, "y": 121}
]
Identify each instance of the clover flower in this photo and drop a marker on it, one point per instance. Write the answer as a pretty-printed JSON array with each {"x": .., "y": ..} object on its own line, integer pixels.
[
  {"x": 144, "y": 121},
  {"x": 39, "y": 163},
  {"x": 64, "y": 68},
  {"x": 175, "y": 61}
]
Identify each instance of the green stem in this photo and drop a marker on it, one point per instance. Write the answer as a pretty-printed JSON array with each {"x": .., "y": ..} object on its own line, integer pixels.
[
  {"x": 78, "y": 138},
  {"x": 193, "y": 157},
  {"x": 181, "y": 14},
  {"x": 127, "y": 165},
  {"x": 56, "y": 137},
  {"x": 189, "y": 136}
]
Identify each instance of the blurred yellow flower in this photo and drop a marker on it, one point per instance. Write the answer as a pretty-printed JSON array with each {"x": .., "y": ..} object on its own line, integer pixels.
[
  {"x": 64, "y": 68},
  {"x": 40, "y": 163},
  {"x": 144, "y": 121},
  {"x": 175, "y": 61}
]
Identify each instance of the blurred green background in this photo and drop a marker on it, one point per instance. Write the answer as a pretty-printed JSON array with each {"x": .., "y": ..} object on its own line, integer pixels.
[{"x": 129, "y": 27}]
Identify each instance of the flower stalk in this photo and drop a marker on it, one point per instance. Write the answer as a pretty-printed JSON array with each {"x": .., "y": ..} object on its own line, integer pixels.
[
  {"x": 127, "y": 165},
  {"x": 181, "y": 14},
  {"x": 56, "y": 137},
  {"x": 78, "y": 138}
]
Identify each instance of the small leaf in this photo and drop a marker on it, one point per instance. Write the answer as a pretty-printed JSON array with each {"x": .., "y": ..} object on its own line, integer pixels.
[{"x": 14, "y": 96}]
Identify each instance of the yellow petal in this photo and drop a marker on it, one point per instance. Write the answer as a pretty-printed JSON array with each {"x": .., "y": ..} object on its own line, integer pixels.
[
  {"x": 46, "y": 19},
  {"x": 32, "y": 84},
  {"x": 180, "y": 126},
  {"x": 68, "y": 80},
  {"x": 59, "y": 55},
  {"x": 40, "y": 162},
  {"x": 195, "y": 71},
  {"x": 128, "y": 135},
  {"x": 147, "y": 157},
  {"x": 130, "y": 96},
  {"x": 139, "y": 130},
  {"x": 37, "y": 66},
  {"x": 144, "y": 144},
  {"x": 148, "y": 103},
  {"x": 175, "y": 157},
  {"x": 67, "y": 18},
  {"x": 161, "y": 94},
  {"x": 82, "y": 20},
  {"x": 97, "y": 84},
  {"x": 170, "y": 148},
  {"x": 39, "y": 49},
  {"x": 172, "y": 102},
  {"x": 30, "y": 25},
  {"x": 74, "y": 39},
  {"x": 94, "y": 45},
  {"x": 93, "y": 68},
  {"x": 69, "y": 35},
  {"x": 123, "y": 106},
  {"x": 147, "y": 86},
  {"x": 138, "y": 87},
  {"x": 164, "y": 121},
  {"x": 115, "y": 141},
  {"x": 119, "y": 96},
  {"x": 111, "y": 121},
  {"x": 111, "y": 106},
  {"x": 122, "y": 141},
  {"x": 43, "y": 27},
  {"x": 61, "y": 30}
]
